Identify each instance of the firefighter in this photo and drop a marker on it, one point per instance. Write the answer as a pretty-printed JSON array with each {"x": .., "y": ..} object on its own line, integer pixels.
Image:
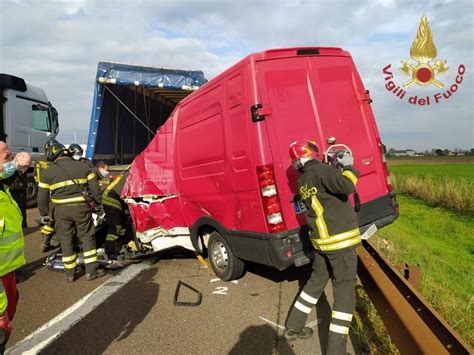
[
  {"x": 73, "y": 189},
  {"x": 334, "y": 233},
  {"x": 48, "y": 230},
  {"x": 102, "y": 171},
  {"x": 12, "y": 241},
  {"x": 76, "y": 152},
  {"x": 115, "y": 209}
]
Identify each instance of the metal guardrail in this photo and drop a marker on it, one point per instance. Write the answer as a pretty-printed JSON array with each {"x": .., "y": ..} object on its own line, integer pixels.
[{"x": 414, "y": 326}]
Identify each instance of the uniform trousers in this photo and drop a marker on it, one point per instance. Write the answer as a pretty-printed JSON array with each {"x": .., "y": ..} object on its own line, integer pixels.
[
  {"x": 341, "y": 268},
  {"x": 76, "y": 220}
]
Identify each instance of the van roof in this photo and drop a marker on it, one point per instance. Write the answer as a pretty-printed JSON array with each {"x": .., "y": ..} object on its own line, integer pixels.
[{"x": 276, "y": 53}]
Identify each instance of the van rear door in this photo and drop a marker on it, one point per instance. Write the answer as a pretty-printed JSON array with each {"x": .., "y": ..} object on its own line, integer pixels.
[{"x": 319, "y": 97}]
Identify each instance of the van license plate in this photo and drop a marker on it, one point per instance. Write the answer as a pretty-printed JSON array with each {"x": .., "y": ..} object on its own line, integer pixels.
[{"x": 299, "y": 207}]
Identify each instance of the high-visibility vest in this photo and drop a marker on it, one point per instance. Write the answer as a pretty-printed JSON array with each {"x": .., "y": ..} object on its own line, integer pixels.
[
  {"x": 12, "y": 242},
  {"x": 3, "y": 300}
]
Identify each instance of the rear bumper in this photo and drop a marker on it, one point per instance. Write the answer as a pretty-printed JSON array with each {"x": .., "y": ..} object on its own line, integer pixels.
[{"x": 281, "y": 250}]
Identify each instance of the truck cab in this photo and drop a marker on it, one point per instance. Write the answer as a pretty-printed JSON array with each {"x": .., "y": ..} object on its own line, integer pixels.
[{"x": 27, "y": 121}]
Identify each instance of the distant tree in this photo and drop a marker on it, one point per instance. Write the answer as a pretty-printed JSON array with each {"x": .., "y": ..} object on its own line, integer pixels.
[
  {"x": 446, "y": 152},
  {"x": 439, "y": 152},
  {"x": 472, "y": 151}
]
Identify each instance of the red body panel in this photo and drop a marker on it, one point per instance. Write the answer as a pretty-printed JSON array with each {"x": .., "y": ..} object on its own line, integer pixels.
[{"x": 206, "y": 155}]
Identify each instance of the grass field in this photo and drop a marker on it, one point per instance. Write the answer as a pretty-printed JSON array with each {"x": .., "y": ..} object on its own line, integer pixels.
[
  {"x": 430, "y": 160},
  {"x": 439, "y": 185},
  {"x": 440, "y": 240}
]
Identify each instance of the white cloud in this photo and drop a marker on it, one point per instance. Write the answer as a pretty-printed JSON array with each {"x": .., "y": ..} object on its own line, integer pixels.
[{"x": 57, "y": 46}]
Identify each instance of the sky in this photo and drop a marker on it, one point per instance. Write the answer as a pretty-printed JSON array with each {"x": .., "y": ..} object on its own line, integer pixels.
[{"x": 57, "y": 44}]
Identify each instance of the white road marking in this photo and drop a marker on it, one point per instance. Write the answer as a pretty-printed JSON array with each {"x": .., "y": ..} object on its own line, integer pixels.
[
  {"x": 272, "y": 323},
  {"x": 215, "y": 280},
  {"x": 57, "y": 326},
  {"x": 310, "y": 324},
  {"x": 221, "y": 290},
  {"x": 235, "y": 281}
]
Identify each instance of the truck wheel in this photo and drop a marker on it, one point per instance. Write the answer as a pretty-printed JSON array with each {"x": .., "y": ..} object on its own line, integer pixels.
[
  {"x": 224, "y": 263},
  {"x": 31, "y": 191}
]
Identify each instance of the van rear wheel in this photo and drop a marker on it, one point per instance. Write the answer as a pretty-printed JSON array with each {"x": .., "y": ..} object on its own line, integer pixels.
[{"x": 224, "y": 263}]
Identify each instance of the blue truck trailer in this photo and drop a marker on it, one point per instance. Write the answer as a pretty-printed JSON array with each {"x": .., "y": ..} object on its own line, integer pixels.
[{"x": 130, "y": 103}]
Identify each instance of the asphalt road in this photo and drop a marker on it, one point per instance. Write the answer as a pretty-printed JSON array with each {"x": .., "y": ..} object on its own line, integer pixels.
[{"x": 243, "y": 317}]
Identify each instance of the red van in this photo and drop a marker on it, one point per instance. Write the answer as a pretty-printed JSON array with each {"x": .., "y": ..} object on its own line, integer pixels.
[{"x": 218, "y": 175}]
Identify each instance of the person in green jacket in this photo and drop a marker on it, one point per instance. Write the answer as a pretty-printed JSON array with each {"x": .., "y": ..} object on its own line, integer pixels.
[{"x": 12, "y": 243}]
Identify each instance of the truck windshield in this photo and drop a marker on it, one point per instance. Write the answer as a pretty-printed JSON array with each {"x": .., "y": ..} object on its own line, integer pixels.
[{"x": 41, "y": 118}]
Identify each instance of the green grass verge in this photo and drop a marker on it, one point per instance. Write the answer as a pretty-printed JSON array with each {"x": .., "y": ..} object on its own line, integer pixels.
[
  {"x": 392, "y": 161},
  {"x": 449, "y": 185},
  {"x": 369, "y": 328},
  {"x": 442, "y": 243}
]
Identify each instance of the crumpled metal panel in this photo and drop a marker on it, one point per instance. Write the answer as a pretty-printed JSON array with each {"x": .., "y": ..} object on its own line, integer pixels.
[
  {"x": 165, "y": 214},
  {"x": 150, "y": 190}
]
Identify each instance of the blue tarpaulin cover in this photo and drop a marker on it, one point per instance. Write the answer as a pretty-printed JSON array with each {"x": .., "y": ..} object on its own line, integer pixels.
[
  {"x": 113, "y": 130},
  {"x": 126, "y": 74}
]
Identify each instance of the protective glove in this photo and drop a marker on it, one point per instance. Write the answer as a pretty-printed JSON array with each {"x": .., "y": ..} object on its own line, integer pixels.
[
  {"x": 46, "y": 220},
  {"x": 5, "y": 329},
  {"x": 346, "y": 160}
]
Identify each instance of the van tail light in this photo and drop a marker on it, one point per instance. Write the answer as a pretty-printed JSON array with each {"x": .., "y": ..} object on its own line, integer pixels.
[
  {"x": 385, "y": 166},
  {"x": 270, "y": 199}
]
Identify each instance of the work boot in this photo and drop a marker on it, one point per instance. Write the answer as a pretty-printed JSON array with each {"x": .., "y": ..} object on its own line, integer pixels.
[
  {"x": 291, "y": 334},
  {"x": 95, "y": 274},
  {"x": 70, "y": 276}
]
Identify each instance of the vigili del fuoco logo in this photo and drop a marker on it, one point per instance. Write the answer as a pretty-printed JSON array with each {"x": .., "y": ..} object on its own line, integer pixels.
[{"x": 426, "y": 71}]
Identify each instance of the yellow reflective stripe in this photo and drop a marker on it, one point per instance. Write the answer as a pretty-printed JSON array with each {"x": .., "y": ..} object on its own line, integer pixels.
[
  {"x": 90, "y": 176},
  {"x": 90, "y": 252},
  {"x": 338, "y": 329},
  {"x": 342, "y": 316},
  {"x": 308, "y": 298},
  {"x": 47, "y": 230},
  {"x": 113, "y": 184},
  {"x": 111, "y": 237},
  {"x": 69, "y": 258},
  {"x": 341, "y": 236},
  {"x": 111, "y": 202},
  {"x": 70, "y": 266},
  {"x": 91, "y": 259},
  {"x": 67, "y": 183},
  {"x": 339, "y": 245},
  {"x": 43, "y": 185},
  {"x": 67, "y": 200},
  {"x": 350, "y": 175},
  {"x": 320, "y": 223}
]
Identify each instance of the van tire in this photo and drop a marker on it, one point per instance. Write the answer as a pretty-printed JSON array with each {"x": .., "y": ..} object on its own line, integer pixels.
[{"x": 224, "y": 263}]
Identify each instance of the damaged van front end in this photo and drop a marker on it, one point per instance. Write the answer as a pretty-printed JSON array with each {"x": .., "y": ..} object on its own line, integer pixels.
[{"x": 154, "y": 206}]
